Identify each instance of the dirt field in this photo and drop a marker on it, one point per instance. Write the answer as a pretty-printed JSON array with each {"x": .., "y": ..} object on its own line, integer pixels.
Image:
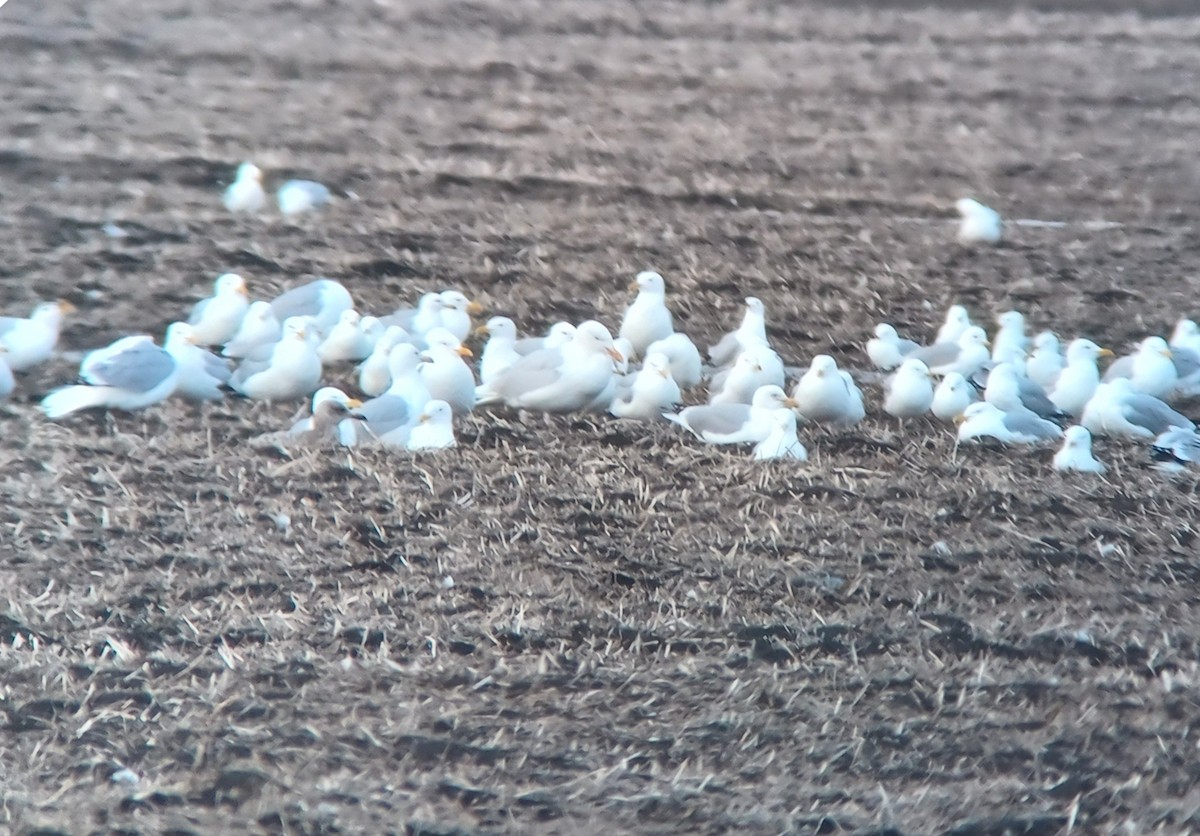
[{"x": 575, "y": 625}]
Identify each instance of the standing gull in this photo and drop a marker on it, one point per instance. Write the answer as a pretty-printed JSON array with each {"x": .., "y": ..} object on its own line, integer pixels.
[
  {"x": 130, "y": 374},
  {"x": 1010, "y": 339},
  {"x": 952, "y": 397},
  {"x": 647, "y": 319},
  {"x": 374, "y": 375},
  {"x": 909, "y": 391},
  {"x": 1045, "y": 364},
  {"x": 957, "y": 321},
  {"x": 1079, "y": 378},
  {"x": 245, "y": 193},
  {"x": 752, "y": 331},
  {"x": 824, "y": 396},
  {"x": 445, "y": 372},
  {"x": 500, "y": 350},
  {"x": 347, "y": 428},
  {"x": 756, "y": 366},
  {"x": 1151, "y": 369},
  {"x": 216, "y": 319}
]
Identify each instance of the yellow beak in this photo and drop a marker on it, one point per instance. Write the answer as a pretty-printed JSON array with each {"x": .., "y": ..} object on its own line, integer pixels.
[
  {"x": 482, "y": 331},
  {"x": 474, "y": 309},
  {"x": 1105, "y": 352},
  {"x": 353, "y": 403},
  {"x": 614, "y": 354},
  {"x": 66, "y": 307},
  {"x": 463, "y": 351}
]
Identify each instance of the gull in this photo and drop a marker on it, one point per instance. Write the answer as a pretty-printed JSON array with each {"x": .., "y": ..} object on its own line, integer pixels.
[
  {"x": 734, "y": 423},
  {"x": 1119, "y": 411},
  {"x": 756, "y": 366},
  {"x": 455, "y": 311},
  {"x": 957, "y": 321},
  {"x": 326, "y": 426},
  {"x": 201, "y": 374},
  {"x": 347, "y": 340},
  {"x": 297, "y": 196},
  {"x": 966, "y": 356},
  {"x": 781, "y": 442},
  {"x": 1186, "y": 335},
  {"x": 259, "y": 327},
  {"x": 686, "y": 366},
  {"x": 500, "y": 350},
  {"x": 216, "y": 319},
  {"x": 434, "y": 429},
  {"x": 1151, "y": 369},
  {"x": 984, "y": 420},
  {"x": 1076, "y": 453},
  {"x": 823, "y": 395},
  {"x": 130, "y": 374},
  {"x": 7, "y": 381},
  {"x": 1045, "y": 364},
  {"x": 558, "y": 380},
  {"x": 653, "y": 391},
  {"x": 418, "y": 320},
  {"x": 558, "y": 335},
  {"x": 1079, "y": 377},
  {"x": 404, "y": 364},
  {"x": 752, "y": 331},
  {"x": 32, "y": 341},
  {"x": 245, "y": 193},
  {"x": 445, "y": 373},
  {"x": 374, "y": 376},
  {"x": 952, "y": 397},
  {"x": 1011, "y": 392},
  {"x": 1010, "y": 339},
  {"x": 909, "y": 391},
  {"x": 980, "y": 224},
  {"x": 292, "y": 371},
  {"x": 886, "y": 349},
  {"x": 1176, "y": 448},
  {"x": 647, "y": 319},
  {"x": 322, "y": 299},
  {"x": 347, "y": 428}
]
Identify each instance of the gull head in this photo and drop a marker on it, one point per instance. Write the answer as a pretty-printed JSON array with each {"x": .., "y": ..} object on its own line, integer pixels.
[{"x": 650, "y": 282}]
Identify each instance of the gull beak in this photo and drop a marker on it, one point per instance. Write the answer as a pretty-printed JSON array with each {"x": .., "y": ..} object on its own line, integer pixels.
[
  {"x": 1105, "y": 352},
  {"x": 959, "y": 419},
  {"x": 616, "y": 356},
  {"x": 353, "y": 403},
  {"x": 463, "y": 351},
  {"x": 791, "y": 403},
  {"x": 66, "y": 307},
  {"x": 424, "y": 419},
  {"x": 664, "y": 373},
  {"x": 482, "y": 331},
  {"x": 474, "y": 309},
  {"x": 633, "y": 286},
  {"x": 1167, "y": 353},
  {"x": 191, "y": 338}
]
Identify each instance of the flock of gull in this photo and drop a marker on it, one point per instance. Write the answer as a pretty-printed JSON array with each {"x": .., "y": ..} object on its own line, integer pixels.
[{"x": 415, "y": 375}]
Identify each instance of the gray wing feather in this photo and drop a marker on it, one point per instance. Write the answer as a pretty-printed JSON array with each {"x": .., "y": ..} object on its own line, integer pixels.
[
  {"x": 385, "y": 413},
  {"x": 136, "y": 369},
  {"x": 1027, "y": 423},
  {"x": 719, "y": 419},
  {"x": 217, "y": 367},
  {"x": 1153, "y": 414},
  {"x": 938, "y": 354},
  {"x": 299, "y": 301},
  {"x": 1033, "y": 398},
  {"x": 1187, "y": 362},
  {"x": 1121, "y": 368}
]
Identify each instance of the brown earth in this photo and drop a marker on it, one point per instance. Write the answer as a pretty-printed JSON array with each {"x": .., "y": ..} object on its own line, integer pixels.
[{"x": 641, "y": 635}]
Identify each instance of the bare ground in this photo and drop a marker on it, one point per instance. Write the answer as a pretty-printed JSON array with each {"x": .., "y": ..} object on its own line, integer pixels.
[{"x": 641, "y": 635}]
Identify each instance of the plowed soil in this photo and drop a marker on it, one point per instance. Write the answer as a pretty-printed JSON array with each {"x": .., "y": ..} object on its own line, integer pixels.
[{"x": 575, "y": 625}]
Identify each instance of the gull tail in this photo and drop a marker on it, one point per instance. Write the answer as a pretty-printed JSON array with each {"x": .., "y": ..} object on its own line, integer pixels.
[
  {"x": 68, "y": 399},
  {"x": 485, "y": 395}
]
